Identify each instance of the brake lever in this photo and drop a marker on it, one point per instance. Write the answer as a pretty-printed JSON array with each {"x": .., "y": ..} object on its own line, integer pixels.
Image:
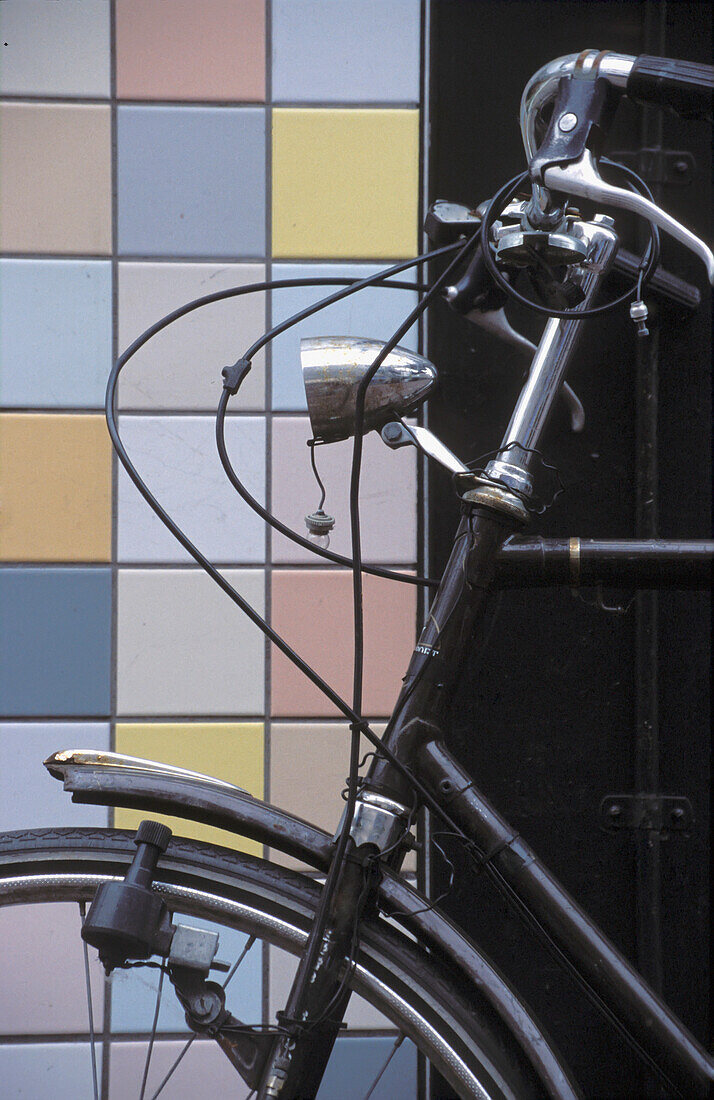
[
  {"x": 580, "y": 178},
  {"x": 496, "y": 322}
]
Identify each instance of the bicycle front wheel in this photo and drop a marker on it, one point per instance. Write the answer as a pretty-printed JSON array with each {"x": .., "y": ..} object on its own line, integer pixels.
[{"x": 262, "y": 913}]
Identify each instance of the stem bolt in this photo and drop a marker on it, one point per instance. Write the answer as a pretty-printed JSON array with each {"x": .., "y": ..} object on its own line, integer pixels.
[{"x": 568, "y": 122}]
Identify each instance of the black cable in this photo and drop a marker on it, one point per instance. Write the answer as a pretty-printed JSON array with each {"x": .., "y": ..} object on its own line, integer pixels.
[{"x": 499, "y": 202}]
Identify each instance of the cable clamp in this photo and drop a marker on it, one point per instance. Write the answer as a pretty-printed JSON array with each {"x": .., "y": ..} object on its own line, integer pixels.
[{"x": 234, "y": 375}]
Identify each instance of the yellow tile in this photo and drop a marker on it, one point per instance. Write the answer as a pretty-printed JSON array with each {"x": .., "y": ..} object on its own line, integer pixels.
[
  {"x": 345, "y": 183},
  {"x": 55, "y": 178},
  {"x": 55, "y": 488},
  {"x": 232, "y": 751}
]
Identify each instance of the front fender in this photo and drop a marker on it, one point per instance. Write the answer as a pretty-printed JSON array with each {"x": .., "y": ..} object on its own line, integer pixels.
[{"x": 111, "y": 779}]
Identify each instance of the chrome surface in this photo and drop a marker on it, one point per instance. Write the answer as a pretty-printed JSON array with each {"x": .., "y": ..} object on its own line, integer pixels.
[
  {"x": 551, "y": 362},
  {"x": 99, "y": 759},
  {"x": 499, "y": 498},
  {"x": 334, "y": 366},
  {"x": 397, "y": 435},
  {"x": 581, "y": 178},
  {"x": 377, "y": 820}
]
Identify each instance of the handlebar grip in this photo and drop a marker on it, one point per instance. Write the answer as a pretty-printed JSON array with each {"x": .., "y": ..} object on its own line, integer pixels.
[{"x": 686, "y": 87}]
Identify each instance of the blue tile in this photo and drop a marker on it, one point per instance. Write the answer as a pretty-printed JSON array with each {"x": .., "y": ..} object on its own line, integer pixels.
[
  {"x": 29, "y": 797},
  {"x": 55, "y": 642},
  {"x": 133, "y": 1002},
  {"x": 357, "y": 50},
  {"x": 56, "y": 333},
  {"x": 191, "y": 181},
  {"x": 375, "y": 312},
  {"x": 30, "y": 1071},
  {"x": 356, "y": 1062}
]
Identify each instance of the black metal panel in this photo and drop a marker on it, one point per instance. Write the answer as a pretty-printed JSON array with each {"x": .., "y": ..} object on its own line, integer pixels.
[{"x": 547, "y": 717}]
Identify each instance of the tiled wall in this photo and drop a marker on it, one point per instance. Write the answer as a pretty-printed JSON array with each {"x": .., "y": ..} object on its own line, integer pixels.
[{"x": 154, "y": 151}]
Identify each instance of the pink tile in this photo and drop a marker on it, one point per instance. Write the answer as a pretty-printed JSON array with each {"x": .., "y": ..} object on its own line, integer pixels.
[
  {"x": 214, "y": 50},
  {"x": 312, "y": 609},
  {"x": 387, "y": 494},
  {"x": 205, "y": 1071}
]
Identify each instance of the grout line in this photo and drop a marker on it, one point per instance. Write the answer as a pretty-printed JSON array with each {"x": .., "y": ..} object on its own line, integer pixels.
[
  {"x": 217, "y": 104},
  {"x": 268, "y": 400},
  {"x": 214, "y": 260}
]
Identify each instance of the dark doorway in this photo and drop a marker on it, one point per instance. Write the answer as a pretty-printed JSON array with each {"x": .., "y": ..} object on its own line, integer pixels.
[{"x": 568, "y": 703}]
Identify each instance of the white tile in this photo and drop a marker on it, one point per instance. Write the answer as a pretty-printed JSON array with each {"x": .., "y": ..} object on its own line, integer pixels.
[{"x": 178, "y": 459}]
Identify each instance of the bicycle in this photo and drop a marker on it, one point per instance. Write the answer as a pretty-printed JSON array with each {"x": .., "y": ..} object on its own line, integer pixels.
[{"x": 367, "y": 929}]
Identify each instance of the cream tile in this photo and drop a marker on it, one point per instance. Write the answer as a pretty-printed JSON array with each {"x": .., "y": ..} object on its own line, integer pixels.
[{"x": 184, "y": 648}]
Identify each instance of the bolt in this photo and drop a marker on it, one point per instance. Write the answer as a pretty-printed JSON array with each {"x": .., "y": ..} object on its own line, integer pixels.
[
  {"x": 568, "y": 122},
  {"x": 677, "y": 816},
  {"x": 680, "y": 167},
  {"x": 392, "y": 432},
  {"x": 615, "y": 811}
]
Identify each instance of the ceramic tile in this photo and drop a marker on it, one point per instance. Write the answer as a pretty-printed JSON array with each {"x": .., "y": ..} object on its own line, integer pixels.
[
  {"x": 44, "y": 994},
  {"x": 388, "y": 494},
  {"x": 345, "y": 183},
  {"x": 177, "y": 457},
  {"x": 205, "y": 1063},
  {"x": 191, "y": 181},
  {"x": 356, "y": 1063},
  {"x": 375, "y": 312},
  {"x": 312, "y": 609},
  {"x": 355, "y": 50},
  {"x": 55, "y": 483},
  {"x": 31, "y": 1071},
  {"x": 184, "y": 647},
  {"x": 29, "y": 797},
  {"x": 360, "y": 1014},
  {"x": 212, "y": 50},
  {"x": 55, "y": 178},
  {"x": 56, "y": 332},
  {"x": 55, "y": 648},
  {"x": 180, "y": 368},
  {"x": 227, "y": 750},
  {"x": 55, "y": 49},
  {"x": 133, "y": 1002}
]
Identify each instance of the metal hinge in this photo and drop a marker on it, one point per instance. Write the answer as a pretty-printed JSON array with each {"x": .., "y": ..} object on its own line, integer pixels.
[
  {"x": 661, "y": 813},
  {"x": 668, "y": 166}
]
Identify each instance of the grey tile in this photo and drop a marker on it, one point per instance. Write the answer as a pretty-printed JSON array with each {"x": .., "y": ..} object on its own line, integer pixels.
[
  {"x": 345, "y": 52},
  {"x": 55, "y": 49},
  {"x": 56, "y": 332},
  {"x": 43, "y": 989},
  {"x": 356, "y": 1062},
  {"x": 185, "y": 648},
  {"x": 375, "y": 312},
  {"x": 29, "y": 797},
  {"x": 191, "y": 181},
  {"x": 178, "y": 459},
  {"x": 34, "y": 1071},
  {"x": 55, "y": 642}
]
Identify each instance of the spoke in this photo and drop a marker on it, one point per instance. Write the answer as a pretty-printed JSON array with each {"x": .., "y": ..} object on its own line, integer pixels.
[
  {"x": 251, "y": 940},
  {"x": 157, "y": 1009},
  {"x": 83, "y": 913},
  {"x": 378, "y": 1078}
]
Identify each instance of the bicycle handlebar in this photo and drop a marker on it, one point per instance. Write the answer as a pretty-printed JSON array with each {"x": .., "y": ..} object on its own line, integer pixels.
[{"x": 685, "y": 87}]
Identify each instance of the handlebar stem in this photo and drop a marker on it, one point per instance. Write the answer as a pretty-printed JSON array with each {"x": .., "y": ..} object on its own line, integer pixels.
[{"x": 549, "y": 367}]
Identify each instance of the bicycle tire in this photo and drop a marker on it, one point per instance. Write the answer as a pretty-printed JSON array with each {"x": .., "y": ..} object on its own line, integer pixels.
[{"x": 418, "y": 993}]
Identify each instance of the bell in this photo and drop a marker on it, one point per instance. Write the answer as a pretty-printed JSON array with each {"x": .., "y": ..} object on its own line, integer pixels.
[{"x": 334, "y": 366}]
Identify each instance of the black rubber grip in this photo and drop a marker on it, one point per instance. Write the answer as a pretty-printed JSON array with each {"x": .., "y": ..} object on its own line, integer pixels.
[{"x": 685, "y": 87}]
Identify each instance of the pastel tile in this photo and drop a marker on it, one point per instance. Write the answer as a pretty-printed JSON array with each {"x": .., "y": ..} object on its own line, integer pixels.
[
  {"x": 388, "y": 494},
  {"x": 37, "y": 1070},
  {"x": 191, "y": 181},
  {"x": 133, "y": 1002},
  {"x": 29, "y": 797},
  {"x": 214, "y": 50},
  {"x": 55, "y": 178},
  {"x": 312, "y": 609},
  {"x": 55, "y": 333},
  {"x": 44, "y": 990},
  {"x": 373, "y": 50},
  {"x": 55, "y": 643},
  {"x": 178, "y": 459},
  {"x": 54, "y": 49},
  {"x": 204, "y": 1070},
  {"x": 184, "y": 648},
  {"x": 55, "y": 487},
  {"x": 360, "y": 1014},
  {"x": 227, "y": 750},
  {"x": 180, "y": 367},
  {"x": 375, "y": 312},
  {"x": 356, "y": 1062},
  {"x": 345, "y": 183}
]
